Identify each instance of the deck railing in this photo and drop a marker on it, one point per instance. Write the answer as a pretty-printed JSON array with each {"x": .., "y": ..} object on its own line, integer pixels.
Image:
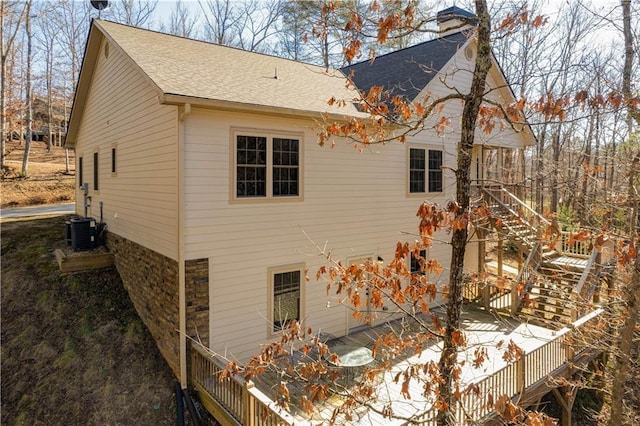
[
  {"x": 526, "y": 276},
  {"x": 574, "y": 247},
  {"x": 489, "y": 293},
  {"x": 232, "y": 400},
  {"x": 529, "y": 370},
  {"x": 235, "y": 401}
]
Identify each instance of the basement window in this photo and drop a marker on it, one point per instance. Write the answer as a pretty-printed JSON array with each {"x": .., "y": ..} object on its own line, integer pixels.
[
  {"x": 417, "y": 265},
  {"x": 285, "y": 285}
]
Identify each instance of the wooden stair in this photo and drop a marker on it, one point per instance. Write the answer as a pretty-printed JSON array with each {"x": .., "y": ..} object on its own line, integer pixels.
[{"x": 552, "y": 278}]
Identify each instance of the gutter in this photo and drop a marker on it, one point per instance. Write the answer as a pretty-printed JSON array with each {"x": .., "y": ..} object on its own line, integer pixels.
[{"x": 173, "y": 99}]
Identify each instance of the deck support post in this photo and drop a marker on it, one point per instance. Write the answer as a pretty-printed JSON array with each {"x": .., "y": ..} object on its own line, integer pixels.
[
  {"x": 247, "y": 407},
  {"x": 482, "y": 250},
  {"x": 520, "y": 375},
  {"x": 486, "y": 295},
  {"x": 515, "y": 298},
  {"x": 500, "y": 248},
  {"x": 566, "y": 398},
  {"x": 520, "y": 256}
]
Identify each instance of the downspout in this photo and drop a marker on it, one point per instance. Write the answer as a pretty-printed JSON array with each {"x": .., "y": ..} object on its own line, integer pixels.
[{"x": 186, "y": 110}]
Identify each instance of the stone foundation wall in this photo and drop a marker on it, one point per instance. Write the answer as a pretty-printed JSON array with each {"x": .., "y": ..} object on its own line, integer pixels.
[
  {"x": 197, "y": 296},
  {"x": 151, "y": 280}
]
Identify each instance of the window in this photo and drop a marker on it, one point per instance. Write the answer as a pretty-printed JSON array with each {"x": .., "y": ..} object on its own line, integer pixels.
[
  {"x": 95, "y": 171},
  {"x": 266, "y": 166},
  {"x": 80, "y": 172},
  {"x": 417, "y": 264},
  {"x": 435, "y": 171},
  {"x": 113, "y": 160},
  {"x": 286, "y": 293},
  {"x": 416, "y": 170},
  {"x": 425, "y": 170}
]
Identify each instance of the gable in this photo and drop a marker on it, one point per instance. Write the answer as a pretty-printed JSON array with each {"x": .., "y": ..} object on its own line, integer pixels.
[
  {"x": 190, "y": 71},
  {"x": 407, "y": 71}
]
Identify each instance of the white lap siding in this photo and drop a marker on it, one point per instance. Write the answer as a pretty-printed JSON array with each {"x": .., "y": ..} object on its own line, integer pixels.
[
  {"x": 354, "y": 204},
  {"x": 122, "y": 113}
]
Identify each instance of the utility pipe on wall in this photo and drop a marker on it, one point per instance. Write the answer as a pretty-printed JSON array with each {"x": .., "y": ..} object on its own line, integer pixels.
[{"x": 182, "y": 297}]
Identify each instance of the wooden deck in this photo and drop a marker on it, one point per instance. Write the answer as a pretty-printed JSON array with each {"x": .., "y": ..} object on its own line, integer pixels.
[{"x": 546, "y": 354}]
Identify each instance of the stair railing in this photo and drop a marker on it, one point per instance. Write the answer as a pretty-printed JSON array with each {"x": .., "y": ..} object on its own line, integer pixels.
[
  {"x": 499, "y": 196},
  {"x": 583, "y": 291},
  {"x": 526, "y": 278}
]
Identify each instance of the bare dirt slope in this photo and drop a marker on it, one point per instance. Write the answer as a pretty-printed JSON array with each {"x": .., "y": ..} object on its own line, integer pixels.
[
  {"x": 74, "y": 352},
  {"x": 48, "y": 180}
]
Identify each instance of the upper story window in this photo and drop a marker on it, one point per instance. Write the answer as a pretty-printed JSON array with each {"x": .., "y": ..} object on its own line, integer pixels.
[
  {"x": 113, "y": 160},
  {"x": 266, "y": 166},
  {"x": 425, "y": 170}
]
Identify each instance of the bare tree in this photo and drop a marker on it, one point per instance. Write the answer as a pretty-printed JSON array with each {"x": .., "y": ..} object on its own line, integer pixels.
[
  {"x": 28, "y": 94},
  {"x": 137, "y": 13},
  {"x": 11, "y": 16},
  {"x": 220, "y": 21},
  {"x": 181, "y": 22},
  {"x": 72, "y": 21},
  {"x": 632, "y": 300},
  {"x": 258, "y": 23},
  {"x": 47, "y": 38}
]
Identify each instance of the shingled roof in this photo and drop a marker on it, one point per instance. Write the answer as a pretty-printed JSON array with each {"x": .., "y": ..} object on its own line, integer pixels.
[
  {"x": 196, "y": 69},
  {"x": 406, "y": 72}
]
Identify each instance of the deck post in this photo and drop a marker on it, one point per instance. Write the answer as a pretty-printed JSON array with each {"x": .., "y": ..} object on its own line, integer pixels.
[
  {"x": 520, "y": 375},
  {"x": 486, "y": 294},
  {"x": 500, "y": 255},
  {"x": 515, "y": 298},
  {"x": 520, "y": 257},
  {"x": 566, "y": 402},
  {"x": 247, "y": 407},
  {"x": 482, "y": 251}
]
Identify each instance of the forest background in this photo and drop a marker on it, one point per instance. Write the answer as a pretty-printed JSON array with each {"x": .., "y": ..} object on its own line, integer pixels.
[{"x": 579, "y": 49}]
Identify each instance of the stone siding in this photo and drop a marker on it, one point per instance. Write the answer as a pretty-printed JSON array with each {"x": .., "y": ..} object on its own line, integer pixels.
[
  {"x": 151, "y": 280},
  {"x": 197, "y": 295}
]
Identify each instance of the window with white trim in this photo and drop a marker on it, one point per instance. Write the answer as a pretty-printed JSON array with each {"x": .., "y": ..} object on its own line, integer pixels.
[
  {"x": 266, "y": 166},
  {"x": 286, "y": 295},
  {"x": 425, "y": 170}
]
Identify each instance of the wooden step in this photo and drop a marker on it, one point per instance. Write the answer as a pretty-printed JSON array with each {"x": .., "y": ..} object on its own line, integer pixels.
[{"x": 554, "y": 322}]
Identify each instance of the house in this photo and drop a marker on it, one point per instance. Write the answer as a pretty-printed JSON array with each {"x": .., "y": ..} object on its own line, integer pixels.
[{"x": 202, "y": 160}]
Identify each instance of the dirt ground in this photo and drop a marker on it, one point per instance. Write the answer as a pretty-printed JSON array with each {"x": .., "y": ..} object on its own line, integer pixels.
[
  {"x": 48, "y": 181},
  {"x": 74, "y": 351}
]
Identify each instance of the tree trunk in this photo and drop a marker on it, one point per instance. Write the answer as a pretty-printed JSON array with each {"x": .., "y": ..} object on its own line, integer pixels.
[
  {"x": 5, "y": 49},
  {"x": 539, "y": 170},
  {"x": 29, "y": 136},
  {"x": 448, "y": 358},
  {"x": 555, "y": 144},
  {"x": 633, "y": 291},
  {"x": 623, "y": 353}
]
